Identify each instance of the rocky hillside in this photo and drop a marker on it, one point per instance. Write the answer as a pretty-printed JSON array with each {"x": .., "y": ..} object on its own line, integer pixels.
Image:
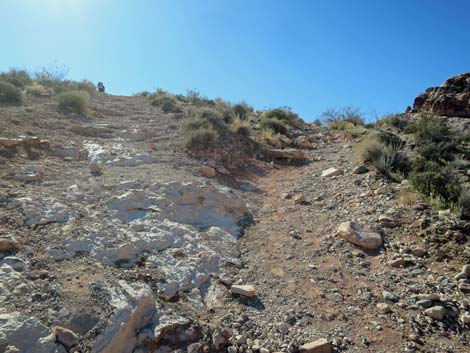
[
  {"x": 452, "y": 98},
  {"x": 161, "y": 223}
]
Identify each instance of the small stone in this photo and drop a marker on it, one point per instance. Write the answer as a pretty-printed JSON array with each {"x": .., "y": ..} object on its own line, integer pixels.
[
  {"x": 464, "y": 287},
  {"x": 16, "y": 263},
  {"x": 244, "y": 290},
  {"x": 95, "y": 168},
  {"x": 436, "y": 312},
  {"x": 389, "y": 222},
  {"x": 418, "y": 252},
  {"x": 389, "y": 296},
  {"x": 397, "y": 262},
  {"x": 8, "y": 244},
  {"x": 319, "y": 346},
  {"x": 65, "y": 336},
  {"x": 465, "y": 318},
  {"x": 384, "y": 308}
]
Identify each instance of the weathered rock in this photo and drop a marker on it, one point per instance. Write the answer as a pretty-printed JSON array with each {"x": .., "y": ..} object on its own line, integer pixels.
[
  {"x": 464, "y": 287},
  {"x": 16, "y": 263},
  {"x": 95, "y": 167},
  {"x": 331, "y": 172},
  {"x": 8, "y": 244},
  {"x": 465, "y": 318},
  {"x": 288, "y": 153},
  {"x": 72, "y": 152},
  {"x": 359, "y": 235},
  {"x": 25, "y": 333},
  {"x": 134, "y": 306},
  {"x": 65, "y": 336},
  {"x": 464, "y": 273},
  {"x": 452, "y": 98},
  {"x": 244, "y": 290},
  {"x": 436, "y": 312},
  {"x": 389, "y": 222},
  {"x": 9, "y": 142},
  {"x": 319, "y": 346},
  {"x": 384, "y": 308},
  {"x": 48, "y": 211},
  {"x": 31, "y": 173},
  {"x": 207, "y": 171},
  {"x": 361, "y": 169}
]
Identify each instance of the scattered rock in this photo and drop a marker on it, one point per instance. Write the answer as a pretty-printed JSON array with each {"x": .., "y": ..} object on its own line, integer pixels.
[
  {"x": 359, "y": 235},
  {"x": 31, "y": 173},
  {"x": 319, "y": 346},
  {"x": 464, "y": 273},
  {"x": 436, "y": 312},
  {"x": 65, "y": 336},
  {"x": 207, "y": 171},
  {"x": 8, "y": 244},
  {"x": 384, "y": 308},
  {"x": 244, "y": 290},
  {"x": 361, "y": 169},
  {"x": 288, "y": 153}
]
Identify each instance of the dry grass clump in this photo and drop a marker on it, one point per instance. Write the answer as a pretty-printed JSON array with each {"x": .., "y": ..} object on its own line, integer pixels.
[{"x": 241, "y": 127}]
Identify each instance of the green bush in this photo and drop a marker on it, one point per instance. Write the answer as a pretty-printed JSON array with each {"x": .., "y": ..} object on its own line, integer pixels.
[
  {"x": 274, "y": 124},
  {"x": 464, "y": 204},
  {"x": 73, "y": 101},
  {"x": 241, "y": 110},
  {"x": 435, "y": 140},
  {"x": 436, "y": 181},
  {"x": 9, "y": 94},
  {"x": 167, "y": 103},
  {"x": 18, "y": 78}
]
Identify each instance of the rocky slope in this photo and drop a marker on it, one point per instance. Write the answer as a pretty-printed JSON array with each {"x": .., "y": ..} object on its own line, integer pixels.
[{"x": 114, "y": 240}]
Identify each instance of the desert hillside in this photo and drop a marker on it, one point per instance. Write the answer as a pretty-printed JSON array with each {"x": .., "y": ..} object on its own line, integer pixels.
[{"x": 177, "y": 223}]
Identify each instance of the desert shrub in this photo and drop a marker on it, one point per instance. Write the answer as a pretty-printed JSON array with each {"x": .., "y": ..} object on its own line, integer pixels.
[
  {"x": 274, "y": 124},
  {"x": 267, "y": 135},
  {"x": 433, "y": 180},
  {"x": 52, "y": 76},
  {"x": 9, "y": 94},
  {"x": 337, "y": 119},
  {"x": 228, "y": 115},
  {"x": 167, "y": 103},
  {"x": 199, "y": 134},
  {"x": 18, "y": 78},
  {"x": 142, "y": 94},
  {"x": 73, "y": 101},
  {"x": 385, "y": 153},
  {"x": 241, "y": 110},
  {"x": 84, "y": 85},
  {"x": 241, "y": 127},
  {"x": 196, "y": 123},
  {"x": 395, "y": 120},
  {"x": 38, "y": 90},
  {"x": 464, "y": 204}
]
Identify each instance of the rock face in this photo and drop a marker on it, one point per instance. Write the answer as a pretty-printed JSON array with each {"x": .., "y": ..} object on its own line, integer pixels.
[
  {"x": 359, "y": 235},
  {"x": 452, "y": 98}
]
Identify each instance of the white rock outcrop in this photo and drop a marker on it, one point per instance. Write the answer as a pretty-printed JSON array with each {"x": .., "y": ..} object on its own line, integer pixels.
[
  {"x": 26, "y": 333},
  {"x": 134, "y": 306}
]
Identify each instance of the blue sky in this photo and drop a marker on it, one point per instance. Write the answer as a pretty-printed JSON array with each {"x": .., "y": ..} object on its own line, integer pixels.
[{"x": 308, "y": 55}]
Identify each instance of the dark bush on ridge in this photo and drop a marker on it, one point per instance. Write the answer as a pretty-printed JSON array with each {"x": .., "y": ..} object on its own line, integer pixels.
[{"x": 9, "y": 94}]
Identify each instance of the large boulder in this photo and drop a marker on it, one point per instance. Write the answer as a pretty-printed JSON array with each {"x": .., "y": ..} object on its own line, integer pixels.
[
  {"x": 359, "y": 235},
  {"x": 452, "y": 98}
]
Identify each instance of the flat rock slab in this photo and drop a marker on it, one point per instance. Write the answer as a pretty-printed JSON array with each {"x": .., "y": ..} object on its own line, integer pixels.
[
  {"x": 244, "y": 290},
  {"x": 288, "y": 153},
  {"x": 359, "y": 235},
  {"x": 331, "y": 172},
  {"x": 319, "y": 346}
]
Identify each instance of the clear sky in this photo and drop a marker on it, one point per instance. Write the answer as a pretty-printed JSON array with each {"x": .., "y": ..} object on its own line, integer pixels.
[{"x": 310, "y": 55}]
